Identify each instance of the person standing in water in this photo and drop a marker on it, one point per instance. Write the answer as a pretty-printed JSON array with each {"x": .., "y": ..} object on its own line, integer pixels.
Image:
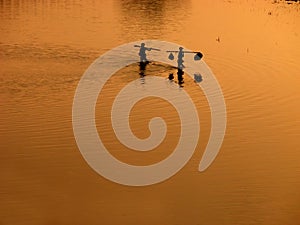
[
  {"x": 180, "y": 59},
  {"x": 143, "y": 60},
  {"x": 142, "y": 53},
  {"x": 180, "y": 66}
]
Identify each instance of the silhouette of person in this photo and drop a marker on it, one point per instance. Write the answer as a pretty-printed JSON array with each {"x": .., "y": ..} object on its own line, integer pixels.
[
  {"x": 142, "y": 53},
  {"x": 180, "y": 58}
]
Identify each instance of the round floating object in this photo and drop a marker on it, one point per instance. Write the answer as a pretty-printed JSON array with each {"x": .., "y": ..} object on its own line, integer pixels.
[
  {"x": 171, "y": 56},
  {"x": 197, "y": 77},
  {"x": 198, "y": 56}
]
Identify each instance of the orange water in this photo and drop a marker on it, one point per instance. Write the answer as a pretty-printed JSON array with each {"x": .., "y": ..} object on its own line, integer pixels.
[{"x": 253, "y": 48}]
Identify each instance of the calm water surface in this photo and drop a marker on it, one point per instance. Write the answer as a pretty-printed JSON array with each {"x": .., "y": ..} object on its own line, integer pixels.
[{"x": 253, "y": 48}]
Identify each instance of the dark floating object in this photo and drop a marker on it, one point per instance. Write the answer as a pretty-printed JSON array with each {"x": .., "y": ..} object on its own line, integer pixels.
[
  {"x": 198, "y": 56},
  {"x": 171, "y": 56},
  {"x": 198, "y": 77}
]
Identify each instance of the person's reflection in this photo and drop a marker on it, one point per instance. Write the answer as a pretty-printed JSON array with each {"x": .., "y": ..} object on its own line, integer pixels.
[
  {"x": 142, "y": 65},
  {"x": 180, "y": 77}
]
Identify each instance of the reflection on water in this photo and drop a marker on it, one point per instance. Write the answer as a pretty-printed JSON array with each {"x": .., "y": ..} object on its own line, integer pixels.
[
  {"x": 253, "y": 49},
  {"x": 151, "y": 19}
]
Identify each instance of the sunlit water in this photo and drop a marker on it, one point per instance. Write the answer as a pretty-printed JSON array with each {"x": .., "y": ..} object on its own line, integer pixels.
[{"x": 253, "y": 48}]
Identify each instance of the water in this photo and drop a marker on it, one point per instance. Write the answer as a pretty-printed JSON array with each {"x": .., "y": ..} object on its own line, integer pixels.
[{"x": 253, "y": 49}]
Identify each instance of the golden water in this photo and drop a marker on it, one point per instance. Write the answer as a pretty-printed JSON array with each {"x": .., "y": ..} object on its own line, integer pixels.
[{"x": 253, "y": 48}]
